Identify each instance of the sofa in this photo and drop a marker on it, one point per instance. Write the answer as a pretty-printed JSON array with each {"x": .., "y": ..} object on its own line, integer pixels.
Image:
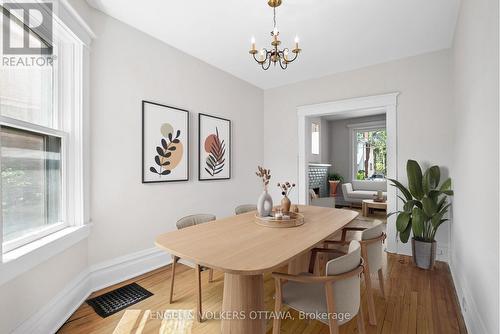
[{"x": 358, "y": 190}]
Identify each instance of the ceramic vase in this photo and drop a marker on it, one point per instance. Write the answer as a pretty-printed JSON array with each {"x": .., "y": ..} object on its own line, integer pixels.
[
  {"x": 285, "y": 204},
  {"x": 265, "y": 204}
]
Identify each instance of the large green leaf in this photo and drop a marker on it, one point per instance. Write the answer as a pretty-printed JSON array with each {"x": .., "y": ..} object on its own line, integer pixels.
[
  {"x": 444, "y": 209},
  {"x": 393, "y": 213},
  {"x": 441, "y": 203},
  {"x": 446, "y": 185},
  {"x": 434, "y": 176},
  {"x": 402, "y": 221},
  {"x": 414, "y": 173},
  {"x": 418, "y": 221},
  {"x": 426, "y": 182},
  {"x": 405, "y": 235},
  {"x": 402, "y": 188},
  {"x": 429, "y": 206},
  {"x": 436, "y": 220},
  {"x": 408, "y": 206}
]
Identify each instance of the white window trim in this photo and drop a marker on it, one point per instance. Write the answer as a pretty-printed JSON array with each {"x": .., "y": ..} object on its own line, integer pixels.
[
  {"x": 353, "y": 128},
  {"x": 24, "y": 258}
]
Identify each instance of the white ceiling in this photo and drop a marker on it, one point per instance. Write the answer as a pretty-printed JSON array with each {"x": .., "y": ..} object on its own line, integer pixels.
[{"x": 335, "y": 35}]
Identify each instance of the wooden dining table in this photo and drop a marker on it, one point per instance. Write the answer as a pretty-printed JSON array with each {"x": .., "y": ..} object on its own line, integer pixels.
[{"x": 244, "y": 251}]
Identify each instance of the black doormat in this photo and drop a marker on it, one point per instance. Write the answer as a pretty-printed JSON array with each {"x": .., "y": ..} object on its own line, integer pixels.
[{"x": 116, "y": 300}]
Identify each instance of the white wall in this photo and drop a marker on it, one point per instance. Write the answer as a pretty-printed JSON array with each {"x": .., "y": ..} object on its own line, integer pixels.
[
  {"x": 340, "y": 143},
  {"x": 474, "y": 256},
  {"x": 126, "y": 67},
  {"x": 424, "y": 105},
  {"x": 23, "y": 296}
]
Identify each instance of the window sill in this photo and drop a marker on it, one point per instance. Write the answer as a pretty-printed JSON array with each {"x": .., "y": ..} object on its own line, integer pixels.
[{"x": 22, "y": 259}]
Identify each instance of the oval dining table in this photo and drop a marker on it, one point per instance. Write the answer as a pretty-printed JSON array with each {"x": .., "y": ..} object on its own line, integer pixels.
[{"x": 244, "y": 251}]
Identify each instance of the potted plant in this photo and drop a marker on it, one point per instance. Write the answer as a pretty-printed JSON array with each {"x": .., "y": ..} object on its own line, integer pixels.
[
  {"x": 425, "y": 205},
  {"x": 334, "y": 179}
]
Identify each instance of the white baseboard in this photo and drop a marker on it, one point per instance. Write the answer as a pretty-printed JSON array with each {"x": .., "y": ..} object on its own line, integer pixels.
[
  {"x": 125, "y": 267},
  {"x": 53, "y": 315},
  {"x": 473, "y": 320}
]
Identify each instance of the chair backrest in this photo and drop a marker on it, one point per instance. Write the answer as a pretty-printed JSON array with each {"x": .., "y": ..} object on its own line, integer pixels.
[
  {"x": 312, "y": 194},
  {"x": 374, "y": 250},
  {"x": 194, "y": 220},
  {"x": 347, "y": 294},
  {"x": 244, "y": 208}
]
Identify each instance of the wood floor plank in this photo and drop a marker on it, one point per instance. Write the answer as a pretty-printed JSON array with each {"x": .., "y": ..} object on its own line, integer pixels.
[{"x": 417, "y": 301}]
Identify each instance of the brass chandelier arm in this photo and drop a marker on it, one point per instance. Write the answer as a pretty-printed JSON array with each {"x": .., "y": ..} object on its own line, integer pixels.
[{"x": 268, "y": 60}]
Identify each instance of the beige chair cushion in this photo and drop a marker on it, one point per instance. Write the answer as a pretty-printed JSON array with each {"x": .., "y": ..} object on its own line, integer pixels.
[
  {"x": 375, "y": 250},
  {"x": 194, "y": 220},
  {"x": 245, "y": 208},
  {"x": 311, "y": 298}
]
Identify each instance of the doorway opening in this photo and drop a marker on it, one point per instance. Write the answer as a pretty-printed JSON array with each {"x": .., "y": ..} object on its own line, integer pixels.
[{"x": 354, "y": 140}]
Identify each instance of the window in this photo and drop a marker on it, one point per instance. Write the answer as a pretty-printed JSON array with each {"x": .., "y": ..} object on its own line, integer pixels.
[
  {"x": 40, "y": 139},
  {"x": 314, "y": 138},
  {"x": 370, "y": 153}
]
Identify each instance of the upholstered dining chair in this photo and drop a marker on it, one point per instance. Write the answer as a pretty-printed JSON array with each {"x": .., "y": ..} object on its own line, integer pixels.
[
  {"x": 371, "y": 241},
  {"x": 334, "y": 294},
  {"x": 183, "y": 223},
  {"x": 244, "y": 208}
]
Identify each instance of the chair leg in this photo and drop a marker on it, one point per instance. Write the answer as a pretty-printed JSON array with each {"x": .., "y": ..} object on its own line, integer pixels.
[
  {"x": 372, "y": 318},
  {"x": 174, "y": 261},
  {"x": 277, "y": 305},
  {"x": 210, "y": 275},
  {"x": 330, "y": 305},
  {"x": 361, "y": 320},
  {"x": 381, "y": 282},
  {"x": 198, "y": 294}
]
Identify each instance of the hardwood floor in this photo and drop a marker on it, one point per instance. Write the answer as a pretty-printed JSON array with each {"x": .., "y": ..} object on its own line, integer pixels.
[{"x": 418, "y": 301}]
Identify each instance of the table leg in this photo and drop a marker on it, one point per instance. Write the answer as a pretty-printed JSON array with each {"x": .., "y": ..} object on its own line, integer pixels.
[
  {"x": 300, "y": 264},
  {"x": 242, "y": 295},
  {"x": 364, "y": 209}
]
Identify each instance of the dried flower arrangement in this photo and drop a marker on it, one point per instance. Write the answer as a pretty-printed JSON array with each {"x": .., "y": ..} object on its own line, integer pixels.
[
  {"x": 286, "y": 188},
  {"x": 264, "y": 174}
]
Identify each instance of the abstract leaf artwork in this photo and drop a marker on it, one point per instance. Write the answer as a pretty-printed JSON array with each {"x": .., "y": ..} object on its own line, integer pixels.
[
  {"x": 169, "y": 153},
  {"x": 214, "y": 148},
  {"x": 165, "y": 143}
]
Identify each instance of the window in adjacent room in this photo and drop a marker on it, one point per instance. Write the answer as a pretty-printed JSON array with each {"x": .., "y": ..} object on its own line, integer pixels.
[
  {"x": 370, "y": 153},
  {"x": 314, "y": 138}
]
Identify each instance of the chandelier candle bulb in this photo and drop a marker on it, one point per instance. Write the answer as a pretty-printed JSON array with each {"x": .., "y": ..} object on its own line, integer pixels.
[
  {"x": 253, "y": 43},
  {"x": 296, "y": 42}
]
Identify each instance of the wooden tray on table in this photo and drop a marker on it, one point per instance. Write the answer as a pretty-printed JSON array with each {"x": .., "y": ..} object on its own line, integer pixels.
[{"x": 293, "y": 219}]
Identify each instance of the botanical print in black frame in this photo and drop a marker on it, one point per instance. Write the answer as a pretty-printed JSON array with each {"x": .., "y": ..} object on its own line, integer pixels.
[
  {"x": 165, "y": 143},
  {"x": 214, "y": 148}
]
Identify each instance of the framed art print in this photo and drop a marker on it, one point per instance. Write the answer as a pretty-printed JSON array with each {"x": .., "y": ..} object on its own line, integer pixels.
[
  {"x": 165, "y": 143},
  {"x": 214, "y": 148}
]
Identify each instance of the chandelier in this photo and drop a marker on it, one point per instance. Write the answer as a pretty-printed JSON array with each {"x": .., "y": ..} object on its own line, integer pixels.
[{"x": 265, "y": 57}]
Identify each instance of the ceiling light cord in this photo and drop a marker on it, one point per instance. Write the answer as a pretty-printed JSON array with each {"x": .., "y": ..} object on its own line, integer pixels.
[{"x": 274, "y": 18}]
